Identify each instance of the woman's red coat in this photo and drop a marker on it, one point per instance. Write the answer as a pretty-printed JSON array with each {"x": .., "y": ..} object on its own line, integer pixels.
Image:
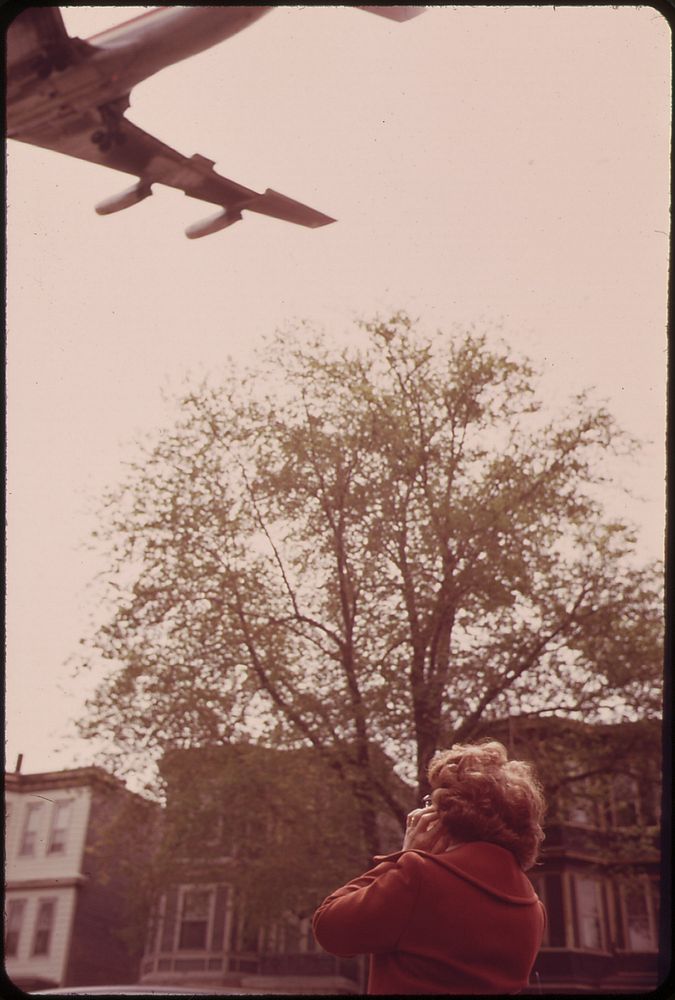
[{"x": 467, "y": 921}]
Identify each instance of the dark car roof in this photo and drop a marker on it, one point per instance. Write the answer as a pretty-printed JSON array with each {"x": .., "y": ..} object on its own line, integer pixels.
[{"x": 138, "y": 989}]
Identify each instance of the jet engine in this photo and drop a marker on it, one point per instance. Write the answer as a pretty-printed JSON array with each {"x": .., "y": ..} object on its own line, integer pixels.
[
  {"x": 221, "y": 220},
  {"x": 131, "y": 196}
]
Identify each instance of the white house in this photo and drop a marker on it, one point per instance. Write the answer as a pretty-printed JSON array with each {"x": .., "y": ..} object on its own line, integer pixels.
[{"x": 64, "y": 908}]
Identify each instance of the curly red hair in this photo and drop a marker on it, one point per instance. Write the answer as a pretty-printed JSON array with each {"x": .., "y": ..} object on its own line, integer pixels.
[{"x": 482, "y": 795}]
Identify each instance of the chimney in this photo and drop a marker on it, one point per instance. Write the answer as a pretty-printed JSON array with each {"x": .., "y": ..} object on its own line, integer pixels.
[{"x": 19, "y": 762}]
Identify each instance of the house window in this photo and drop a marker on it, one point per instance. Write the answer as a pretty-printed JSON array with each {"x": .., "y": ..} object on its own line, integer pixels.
[
  {"x": 189, "y": 918},
  {"x": 194, "y": 919},
  {"x": 154, "y": 923},
  {"x": 639, "y": 918},
  {"x": 30, "y": 828},
  {"x": 288, "y": 939},
  {"x": 44, "y": 924},
  {"x": 583, "y": 810},
  {"x": 549, "y": 890},
  {"x": 651, "y": 803},
  {"x": 584, "y": 802},
  {"x": 212, "y": 823},
  {"x": 16, "y": 909},
  {"x": 60, "y": 820},
  {"x": 589, "y": 912},
  {"x": 245, "y": 932},
  {"x": 625, "y": 801},
  {"x": 307, "y": 942}
]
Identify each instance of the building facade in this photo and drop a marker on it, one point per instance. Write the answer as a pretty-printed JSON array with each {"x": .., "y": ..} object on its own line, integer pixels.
[
  {"x": 599, "y": 873},
  {"x": 603, "y": 913},
  {"x": 67, "y": 896},
  {"x": 245, "y": 829},
  {"x": 257, "y": 838}
]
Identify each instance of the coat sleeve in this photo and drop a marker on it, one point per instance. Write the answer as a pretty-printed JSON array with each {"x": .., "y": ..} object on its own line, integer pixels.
[{"x": 370, "y": 913}]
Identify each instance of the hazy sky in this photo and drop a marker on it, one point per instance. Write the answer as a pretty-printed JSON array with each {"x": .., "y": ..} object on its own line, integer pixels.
[{"x": 506, "y": 167}]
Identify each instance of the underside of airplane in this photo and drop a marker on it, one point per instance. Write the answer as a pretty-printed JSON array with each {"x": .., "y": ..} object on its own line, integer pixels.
[{"x": 71, "y": 96}]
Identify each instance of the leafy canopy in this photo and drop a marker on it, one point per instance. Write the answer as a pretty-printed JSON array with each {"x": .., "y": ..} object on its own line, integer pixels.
[{"x": 371, "y": 549}]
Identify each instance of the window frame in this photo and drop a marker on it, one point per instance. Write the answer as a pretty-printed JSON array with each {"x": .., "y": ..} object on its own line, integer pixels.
[
  {"x": 44, "y": 902},
  {"x": 598, "y": 882},
  {"x": 59, "y": 807},
  {"x": 27, "y": 847},
  {"x": 648, "y": 896},
  {"x": 588, "y": 797},
  {"x": 183, "y": 892},
  {"x": 564, "y": 919},
  {"x": 20, "y": 904},
  {"x": 617, "y": 803}
]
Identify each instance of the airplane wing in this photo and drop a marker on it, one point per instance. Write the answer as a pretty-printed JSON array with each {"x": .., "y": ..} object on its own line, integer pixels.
[
  {"x": 395, "y": 13},
  {"x": 38, "y": 44},
  {"x": 123, "y": 146}
]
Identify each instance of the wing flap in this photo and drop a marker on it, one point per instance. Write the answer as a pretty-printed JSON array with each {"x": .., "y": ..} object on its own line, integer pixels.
[{"x": 279, "y": 206}]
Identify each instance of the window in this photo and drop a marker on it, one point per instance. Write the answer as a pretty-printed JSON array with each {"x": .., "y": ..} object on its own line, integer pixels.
[
  {"x": 194, "y": 919},
  {"x": 30, "y": 828},
  {"x": 245, "y": 932},
  {"x": 582, "y": 810},
  {"x": 212, "y": 824},
  {"x": 589, "y": 911},
  {"x": 650, "y": 801},
  {"x": 152, "y": 936},
  {"x": 14, "y": 921},
  {"x": 190, "y": 918},
  {"x": 289, "y": 938},
  {"x": 307, "y": 942},
  {"x": 640, "y": 918},
  {"x": 60, "y": 821},
  {"x": 625, "y": 801},
  {"x": 44, "y": 924},
  {"x": 584, "y": 802},
  {"x": 549, "y": 890}
]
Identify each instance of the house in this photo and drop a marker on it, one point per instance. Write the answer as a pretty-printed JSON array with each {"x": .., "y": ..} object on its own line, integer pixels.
[
  {"x": 68, "y": 898},
  {"x": 599, "y": 871},
  {"x": 255, "y": 838},
  {"x": 232, "y": 809}
]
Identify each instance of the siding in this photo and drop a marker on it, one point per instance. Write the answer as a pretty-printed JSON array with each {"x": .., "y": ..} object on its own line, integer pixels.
[
  {"x": 49, "y": 967},
  {"x": 49, "y": 869},
  {"x": 41, "y": 865},
  {"x": 91, "y": 898}
]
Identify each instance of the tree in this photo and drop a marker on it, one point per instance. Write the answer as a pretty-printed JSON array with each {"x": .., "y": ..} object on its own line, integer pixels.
[
  {"x": 381, "y": 546},
  {"x": 278, "y": 826},
  {"x": 603, "y": 776}
]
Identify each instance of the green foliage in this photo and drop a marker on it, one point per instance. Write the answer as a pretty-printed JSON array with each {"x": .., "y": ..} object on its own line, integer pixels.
[
  {"x": 278, "y": 826},
  {"x": 373, "y": 549},
  {"x": 124, "y": 841}
]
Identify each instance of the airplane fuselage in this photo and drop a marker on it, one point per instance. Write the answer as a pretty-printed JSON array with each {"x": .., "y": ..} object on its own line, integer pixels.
[
  {"x": 166, "y": 35},
  {"x": 121, "y": 57}
]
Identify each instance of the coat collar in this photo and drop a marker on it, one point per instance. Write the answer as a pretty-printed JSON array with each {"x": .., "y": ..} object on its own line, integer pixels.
[{"x": 488, "y": 866}]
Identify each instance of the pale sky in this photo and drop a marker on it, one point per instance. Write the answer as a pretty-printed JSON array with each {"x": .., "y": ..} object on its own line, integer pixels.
[{"x": 502, "y": 167}]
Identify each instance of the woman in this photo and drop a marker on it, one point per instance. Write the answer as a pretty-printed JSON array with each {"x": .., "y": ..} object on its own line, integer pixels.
[{"x": 452, "y": 911}]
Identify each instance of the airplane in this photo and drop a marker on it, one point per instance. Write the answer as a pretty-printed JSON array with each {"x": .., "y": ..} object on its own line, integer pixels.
[{"x": 70, "y": 95}]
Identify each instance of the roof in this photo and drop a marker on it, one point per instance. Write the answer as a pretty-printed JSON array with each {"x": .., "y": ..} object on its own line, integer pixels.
[{"x": 16, "y": 781}]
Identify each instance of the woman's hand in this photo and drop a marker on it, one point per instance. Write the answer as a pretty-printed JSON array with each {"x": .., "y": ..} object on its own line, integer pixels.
[{"x": 424, "y": 832}]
